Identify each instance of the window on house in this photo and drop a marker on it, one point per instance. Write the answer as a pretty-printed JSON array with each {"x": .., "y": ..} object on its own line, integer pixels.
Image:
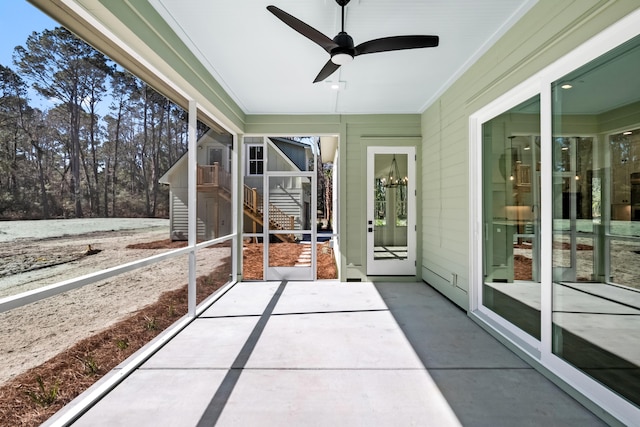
[
  {"x": 255, "y": 159},
  {"x": 215, "y": 156}
]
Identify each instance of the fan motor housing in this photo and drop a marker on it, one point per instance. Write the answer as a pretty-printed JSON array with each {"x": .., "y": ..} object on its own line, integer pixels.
[
  {"x": 345, "y": 43},
  {"x": 345, "y": 51}
]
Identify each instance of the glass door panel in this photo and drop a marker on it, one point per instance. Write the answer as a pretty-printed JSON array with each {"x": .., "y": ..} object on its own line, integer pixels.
[
  {"x": 511, "y": 216},
  {"x": 596, "y": 268}
]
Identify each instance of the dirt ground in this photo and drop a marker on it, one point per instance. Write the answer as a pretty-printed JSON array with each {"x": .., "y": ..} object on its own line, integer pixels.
[
  {"x": 54, "y": 349},
  {"x": 286, "y": 255},
  {"x": 46, "y": 328}
]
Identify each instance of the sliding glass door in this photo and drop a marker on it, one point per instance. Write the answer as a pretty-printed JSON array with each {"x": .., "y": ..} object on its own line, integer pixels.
[{"x": 559, "y": 254}]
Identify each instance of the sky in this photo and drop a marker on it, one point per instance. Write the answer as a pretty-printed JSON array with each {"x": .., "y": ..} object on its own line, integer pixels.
[{"x": 18, "y": 19}]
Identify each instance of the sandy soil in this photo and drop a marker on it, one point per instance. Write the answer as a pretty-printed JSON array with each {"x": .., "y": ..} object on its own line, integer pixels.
[
  {"x": 96, "y": 342},
  {"x": 32, "y": 334}
]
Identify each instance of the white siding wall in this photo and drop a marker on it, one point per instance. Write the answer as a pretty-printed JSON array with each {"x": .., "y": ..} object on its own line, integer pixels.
[
  {"x": 179, "y": 219},
  {"x": 287, "y": 202}
]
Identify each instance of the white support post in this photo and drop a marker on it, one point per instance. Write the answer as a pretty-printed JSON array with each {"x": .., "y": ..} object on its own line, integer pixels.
[
  {"x": 192, "y": 205},
  {"x": 265, "y": 208},
  {"x": 236, "y": 210},
  {"x": 314, "y": 214}
]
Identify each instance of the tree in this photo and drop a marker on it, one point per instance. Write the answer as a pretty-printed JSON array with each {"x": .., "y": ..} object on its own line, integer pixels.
[
  {"x": 64, "y": 159},
  {"x": 12, "y": 91},
  {"x": 96, "y": 88},
  {"x": 124, "y": 88},
  {"x": 67, "y": 71}
]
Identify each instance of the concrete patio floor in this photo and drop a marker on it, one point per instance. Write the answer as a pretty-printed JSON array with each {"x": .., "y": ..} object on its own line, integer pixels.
[{"x": 335, "y": 354}]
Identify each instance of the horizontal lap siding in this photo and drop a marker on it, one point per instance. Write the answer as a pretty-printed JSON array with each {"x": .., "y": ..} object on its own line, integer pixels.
[
  {"x": 287, "y": 202},
  {"x": 353, "y": 228},
  {"x": 179, "y": 215},
  {"x": 444, "y": 198}
]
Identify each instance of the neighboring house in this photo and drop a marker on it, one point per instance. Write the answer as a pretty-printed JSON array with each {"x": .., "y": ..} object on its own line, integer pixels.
[
  {"x": 288, "y": 198},
  {"x": 214, "y": 200}
]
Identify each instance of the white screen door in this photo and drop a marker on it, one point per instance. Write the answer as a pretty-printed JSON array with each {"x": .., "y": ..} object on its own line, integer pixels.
[
  {"x": 290, "y": 200},
  {"x": 391, "y": 211}
]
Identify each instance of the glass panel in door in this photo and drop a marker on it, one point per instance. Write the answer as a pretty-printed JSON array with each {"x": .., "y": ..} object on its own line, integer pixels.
[
  {"x": 596, "y": 213},
  {"x": 390, "y": 224},
  {"x": 511, "y": 208}
]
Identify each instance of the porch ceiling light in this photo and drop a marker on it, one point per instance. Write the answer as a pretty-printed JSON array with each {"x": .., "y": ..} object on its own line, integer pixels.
[
  {"x": 341, "y": 58},
  {"x": 566, "y": 86},
  {"x": 335, "y": 86}
]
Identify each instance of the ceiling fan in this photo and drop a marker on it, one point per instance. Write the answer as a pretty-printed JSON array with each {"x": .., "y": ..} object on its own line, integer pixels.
[{"x": 342, "y": 49}]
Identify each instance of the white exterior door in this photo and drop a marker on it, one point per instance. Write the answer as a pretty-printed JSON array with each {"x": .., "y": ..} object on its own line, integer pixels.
[{"x": 391, "y": 211}]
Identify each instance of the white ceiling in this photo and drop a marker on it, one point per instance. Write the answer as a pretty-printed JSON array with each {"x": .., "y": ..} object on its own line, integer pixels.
[{"x": 268, "y": 68}]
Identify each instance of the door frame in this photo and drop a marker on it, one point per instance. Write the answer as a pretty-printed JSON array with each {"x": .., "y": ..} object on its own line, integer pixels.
[{"x": 408, "y": 265}]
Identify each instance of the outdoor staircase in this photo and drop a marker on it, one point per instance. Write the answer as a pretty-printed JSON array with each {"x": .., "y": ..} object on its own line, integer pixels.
[{"x": 214, "y": 178}]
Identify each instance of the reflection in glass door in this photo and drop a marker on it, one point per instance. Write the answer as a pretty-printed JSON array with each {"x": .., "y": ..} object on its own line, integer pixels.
[
  {"x": 511, "y": 216},
  {"x": 574, "y": 182},
  {"x": 596, "y": 233},
  {"x": 391, "y": 211}
]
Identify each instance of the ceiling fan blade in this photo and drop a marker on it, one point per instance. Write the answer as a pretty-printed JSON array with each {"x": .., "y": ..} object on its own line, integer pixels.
[
  {"x": 387, "y": 44},
  {"x": 309, "y": 32},
  {"x": 328, "y": 69}
]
